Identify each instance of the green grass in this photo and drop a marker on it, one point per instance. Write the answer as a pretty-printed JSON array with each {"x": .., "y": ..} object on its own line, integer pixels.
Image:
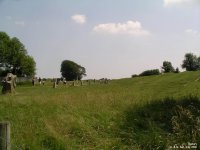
[{"x": 152, "y": 112}]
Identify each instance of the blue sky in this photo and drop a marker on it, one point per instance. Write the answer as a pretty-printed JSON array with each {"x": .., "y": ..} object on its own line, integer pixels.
[{"x": 110, "y": 38}]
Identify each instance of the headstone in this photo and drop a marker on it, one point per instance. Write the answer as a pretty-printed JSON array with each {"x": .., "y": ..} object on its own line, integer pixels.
[
  {"x": 9, "y": 83},
  {"x": 64, "y": 81},
  {"x": 106, "y": 81},
  {"x": 33, "y": 81},
  {"x": 40, "y": 81},
  {"x": 54, "y": 83},
  {"x": 57, "y": 81}
]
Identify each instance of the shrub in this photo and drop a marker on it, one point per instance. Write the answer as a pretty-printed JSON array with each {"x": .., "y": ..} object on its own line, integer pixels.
[
  {"x": 177, "y": 70},
  {"x": 134, "y": 75},
  {"x": 150, "y": 72}
]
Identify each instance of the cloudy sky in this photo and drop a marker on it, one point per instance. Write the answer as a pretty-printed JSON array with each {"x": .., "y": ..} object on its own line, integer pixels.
[{"x": 110, "y": 38}]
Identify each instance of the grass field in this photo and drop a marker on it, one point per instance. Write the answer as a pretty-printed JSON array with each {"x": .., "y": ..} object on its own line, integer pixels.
[{"x": 153, "y": 112}]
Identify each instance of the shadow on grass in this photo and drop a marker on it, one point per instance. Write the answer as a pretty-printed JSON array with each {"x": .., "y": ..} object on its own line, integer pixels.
[
  {"x": 51, "y": 143},
  {"x": 164, "y": 123}
]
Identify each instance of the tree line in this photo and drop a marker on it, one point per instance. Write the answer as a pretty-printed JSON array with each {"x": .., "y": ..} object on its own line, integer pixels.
[
  {"x": 14, "y": 59},
  {"x": 191, "y": 62}
]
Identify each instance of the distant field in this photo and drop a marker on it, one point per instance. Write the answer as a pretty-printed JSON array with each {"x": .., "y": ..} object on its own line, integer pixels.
[{"x": 137, "y": 113}]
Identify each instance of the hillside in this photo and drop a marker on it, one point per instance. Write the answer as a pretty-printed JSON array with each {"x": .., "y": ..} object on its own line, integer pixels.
[{"x": 153, "y": 112}]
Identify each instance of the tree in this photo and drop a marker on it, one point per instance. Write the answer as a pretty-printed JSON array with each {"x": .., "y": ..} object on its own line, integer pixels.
[
  {"x": 191, "y": 62},
  {"x": 167, "y": 67},
  {"x": 14, "y": 57},
  {"x": 28, "y": 66},
  {"x": 72, "y": 71},
  {"x": 177, "y": 70},
  {"x": 198, "y": 63}
]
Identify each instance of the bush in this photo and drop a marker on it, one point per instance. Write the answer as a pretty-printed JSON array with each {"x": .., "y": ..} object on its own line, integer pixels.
[
  {"x": 150, "y": 72},
  {"x": 134, "y": 75}
]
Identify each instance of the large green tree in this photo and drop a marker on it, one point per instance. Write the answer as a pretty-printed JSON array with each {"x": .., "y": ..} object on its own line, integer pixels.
[
  {"x": 167, "y": 67},
  {"x": 72, "y": 71},
  {"x": 14, "y": 57},
  {"x": 191, "y": 62}
]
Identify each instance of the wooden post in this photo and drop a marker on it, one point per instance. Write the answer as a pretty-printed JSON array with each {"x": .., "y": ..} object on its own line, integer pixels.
[{"x": 5, "y": 136}]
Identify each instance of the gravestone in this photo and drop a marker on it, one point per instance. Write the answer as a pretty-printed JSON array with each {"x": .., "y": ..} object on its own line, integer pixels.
[
  {"x": 33, "y": 81},
  {"x": 54, "y": 83},
  {"x": 9, "y": 83}
]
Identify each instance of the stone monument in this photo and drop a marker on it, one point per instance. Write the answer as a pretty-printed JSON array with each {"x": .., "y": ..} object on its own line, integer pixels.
[{"x": 9, "y": 83}]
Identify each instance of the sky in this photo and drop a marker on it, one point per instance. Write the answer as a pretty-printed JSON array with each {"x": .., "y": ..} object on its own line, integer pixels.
[{"x": 110, "y": 38}]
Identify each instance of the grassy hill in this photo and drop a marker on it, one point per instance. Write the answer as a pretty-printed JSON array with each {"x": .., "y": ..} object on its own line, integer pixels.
[{"x": 153, "y": 112}]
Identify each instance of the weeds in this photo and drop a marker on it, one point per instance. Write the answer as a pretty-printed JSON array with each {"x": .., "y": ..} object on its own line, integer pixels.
[{"x": 162, "y": 123}]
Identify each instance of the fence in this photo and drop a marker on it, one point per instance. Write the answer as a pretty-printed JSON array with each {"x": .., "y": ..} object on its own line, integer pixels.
[
  {"x": 23, "y": 79},
  {"x": 20, "y": 79}
]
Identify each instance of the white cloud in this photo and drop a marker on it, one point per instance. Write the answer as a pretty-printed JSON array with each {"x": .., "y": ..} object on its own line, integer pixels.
[
  {"x": 129, "y": 27},
  {"x": 20, "y": 23},
  {"x": 78, "y": 18},
  {"x": 176, "y": 2},
  {"x": 193, "y": 32}
]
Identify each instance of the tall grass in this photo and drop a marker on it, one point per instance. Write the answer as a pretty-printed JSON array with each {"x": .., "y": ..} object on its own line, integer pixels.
[
  {"x": 160, "y": 124},
  {"x": 124, "y": 114}
]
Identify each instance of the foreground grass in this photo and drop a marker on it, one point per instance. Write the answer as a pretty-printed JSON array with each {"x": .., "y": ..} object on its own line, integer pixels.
[
  {"x": 163, "y": 124},
  {"x": 125, "y": 114}
]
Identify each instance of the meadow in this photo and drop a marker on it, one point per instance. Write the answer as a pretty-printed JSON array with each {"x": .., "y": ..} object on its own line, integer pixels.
[{"x": 154, "y": 112}]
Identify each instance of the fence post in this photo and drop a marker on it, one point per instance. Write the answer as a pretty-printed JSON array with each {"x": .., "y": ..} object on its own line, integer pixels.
[{"x": 5, "y": 136}]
